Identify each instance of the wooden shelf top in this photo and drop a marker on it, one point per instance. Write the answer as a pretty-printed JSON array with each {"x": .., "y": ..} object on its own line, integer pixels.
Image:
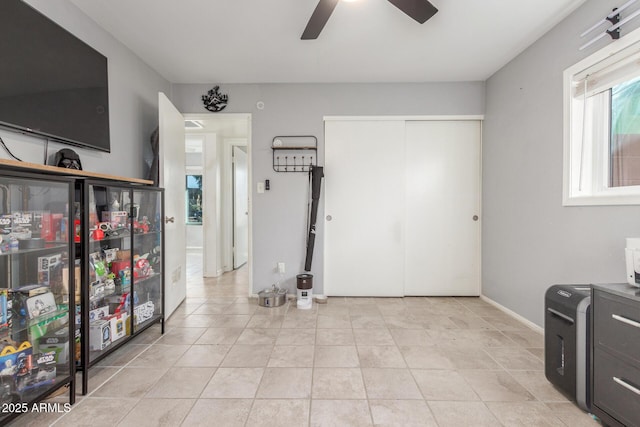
[{"x": 30, "y": 167}]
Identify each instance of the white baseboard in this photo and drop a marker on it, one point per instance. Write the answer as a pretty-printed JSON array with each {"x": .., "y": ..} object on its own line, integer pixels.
[{"x": 513, "y": 314}]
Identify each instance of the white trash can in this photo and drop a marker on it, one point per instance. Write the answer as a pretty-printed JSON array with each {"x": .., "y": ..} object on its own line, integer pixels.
[{"x": 305, "y": 291}]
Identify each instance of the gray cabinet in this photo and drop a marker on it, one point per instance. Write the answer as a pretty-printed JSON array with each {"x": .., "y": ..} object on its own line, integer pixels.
[{"x": 616, "y": 354}]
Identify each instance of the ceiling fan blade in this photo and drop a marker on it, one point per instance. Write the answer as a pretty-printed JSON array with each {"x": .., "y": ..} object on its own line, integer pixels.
[
  {"x": 420, "y": 10},
  {"x": 318, "y": 19}
]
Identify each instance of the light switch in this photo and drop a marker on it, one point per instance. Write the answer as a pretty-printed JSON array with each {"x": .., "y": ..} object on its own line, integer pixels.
[{"x": 261, "y": 187}]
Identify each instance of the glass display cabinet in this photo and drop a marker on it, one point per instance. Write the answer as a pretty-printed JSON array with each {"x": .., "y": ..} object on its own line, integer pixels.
[
  {"x": 122, "y": 267},
  {"x": 148, "y": 272},
  {"x": 37, "y": 231}
]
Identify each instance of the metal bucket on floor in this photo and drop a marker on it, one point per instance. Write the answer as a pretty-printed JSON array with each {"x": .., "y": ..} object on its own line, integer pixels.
[{"x": 272, "y": 297}]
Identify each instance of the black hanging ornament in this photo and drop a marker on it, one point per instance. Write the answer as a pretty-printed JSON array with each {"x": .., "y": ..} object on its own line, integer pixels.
[{"x": 214, "y": 100}]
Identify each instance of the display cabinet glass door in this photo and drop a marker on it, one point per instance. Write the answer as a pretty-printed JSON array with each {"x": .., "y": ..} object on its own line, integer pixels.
[
  {"x": 35, "y": 255},
  {"x": 109, "y": 267},
  {"x": 147, "y": 258}
]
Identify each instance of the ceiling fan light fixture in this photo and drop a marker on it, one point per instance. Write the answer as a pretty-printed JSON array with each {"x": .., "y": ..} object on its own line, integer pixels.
[{"x": 419, "y": 10}]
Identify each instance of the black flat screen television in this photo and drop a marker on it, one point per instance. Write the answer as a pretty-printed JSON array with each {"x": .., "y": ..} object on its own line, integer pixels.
[{"x": 51, "y": 83}]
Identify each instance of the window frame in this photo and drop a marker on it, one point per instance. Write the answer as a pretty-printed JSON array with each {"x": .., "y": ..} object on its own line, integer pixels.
[
  {"x": 187, "y": 217},
  {"x": 594, "y": 189}
]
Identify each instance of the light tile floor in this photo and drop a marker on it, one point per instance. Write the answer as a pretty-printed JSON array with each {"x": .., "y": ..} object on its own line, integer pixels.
[{"x": 225, "y": 361}]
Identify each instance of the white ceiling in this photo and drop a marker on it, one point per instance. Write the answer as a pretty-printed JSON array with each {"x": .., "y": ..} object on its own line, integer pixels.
[{"x": 258, "y": 41}]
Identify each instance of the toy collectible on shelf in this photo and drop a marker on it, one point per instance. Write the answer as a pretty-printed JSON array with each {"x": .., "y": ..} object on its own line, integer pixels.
[
  {"x": 5, "y": 316},
  {"x": 26, "y": 370},
  {"x": 109, "y": 279}
]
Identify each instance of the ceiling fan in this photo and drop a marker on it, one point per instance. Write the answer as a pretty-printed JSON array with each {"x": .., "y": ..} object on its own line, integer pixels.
[{"x": 420, "y": 10}]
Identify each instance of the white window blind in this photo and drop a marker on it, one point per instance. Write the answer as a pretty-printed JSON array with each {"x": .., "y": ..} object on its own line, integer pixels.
[{"x": 616, "y": 69}]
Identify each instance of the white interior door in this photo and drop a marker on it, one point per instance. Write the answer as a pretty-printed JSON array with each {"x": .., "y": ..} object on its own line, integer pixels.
[
  {"x": 240, "y": 207},
  {"x": 172, "y": 178},
  {"x": 442, "y": 208},
  {"x": 364, "y": 208}
]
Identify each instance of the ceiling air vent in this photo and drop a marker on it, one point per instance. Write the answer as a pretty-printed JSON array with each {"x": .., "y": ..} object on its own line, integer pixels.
[{"x": 193, "y": 124}]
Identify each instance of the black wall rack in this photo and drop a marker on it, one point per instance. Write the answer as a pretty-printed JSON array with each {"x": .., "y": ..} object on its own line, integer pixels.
[{"x": 294, "y": 153}]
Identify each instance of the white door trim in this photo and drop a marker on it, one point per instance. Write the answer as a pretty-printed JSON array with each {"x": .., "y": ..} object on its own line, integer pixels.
[{"x": 209, "y": 116}]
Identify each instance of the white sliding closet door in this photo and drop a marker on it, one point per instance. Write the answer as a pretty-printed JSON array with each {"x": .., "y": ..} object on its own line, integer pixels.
[
  {"x": 364, "y": 208},
  {"x": 442, "y": 208},
  {"x": 402, "y": 201}
]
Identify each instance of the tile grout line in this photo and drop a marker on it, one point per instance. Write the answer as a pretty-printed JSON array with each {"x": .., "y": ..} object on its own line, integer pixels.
[{"x": 107, "y": 380}]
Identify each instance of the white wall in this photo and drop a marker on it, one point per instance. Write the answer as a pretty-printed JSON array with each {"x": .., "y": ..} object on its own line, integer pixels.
[
  {"x": 279, "y": 215},
  {"x": 133, "y": 99},
  {"x": 530, "y": 241}
]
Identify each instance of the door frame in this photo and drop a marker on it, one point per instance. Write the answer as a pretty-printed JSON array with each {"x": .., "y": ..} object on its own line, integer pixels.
[
  {"x": 471, "y": 117},
  {"x": 231, "y": 143},
  {"x": 224, "y": 158},
  {"x": 172, "y": 178}
]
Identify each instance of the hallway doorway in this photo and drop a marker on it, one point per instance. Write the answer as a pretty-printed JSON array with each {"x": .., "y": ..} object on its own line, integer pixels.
[{"x": 218, "y": 158}]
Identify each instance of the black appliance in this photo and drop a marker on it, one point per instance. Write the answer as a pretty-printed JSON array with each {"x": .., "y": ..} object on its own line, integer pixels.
[
  {"x": 52, "y": 84},
  {"x": 566, "y": 340}
]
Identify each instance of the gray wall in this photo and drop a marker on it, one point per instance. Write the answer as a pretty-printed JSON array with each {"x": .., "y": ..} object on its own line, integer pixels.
[
  {"x": 279, "y": 215},
  {"x": 529, "y": 240},
  {"x": 133, "y": 100}
]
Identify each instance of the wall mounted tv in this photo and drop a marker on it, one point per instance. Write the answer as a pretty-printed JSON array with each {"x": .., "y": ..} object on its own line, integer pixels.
[{"x": 51, "y": 83}]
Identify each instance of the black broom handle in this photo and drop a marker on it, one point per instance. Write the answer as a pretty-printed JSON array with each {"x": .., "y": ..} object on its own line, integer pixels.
[{"x": 317, "y": 173}]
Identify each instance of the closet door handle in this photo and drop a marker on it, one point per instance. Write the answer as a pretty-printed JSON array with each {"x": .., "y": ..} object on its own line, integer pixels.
[
  {"x": 626, "y": 385},
  {"x": 625, "y": 320}
]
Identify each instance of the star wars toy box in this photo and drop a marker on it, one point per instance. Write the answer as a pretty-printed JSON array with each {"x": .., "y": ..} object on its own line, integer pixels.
[
  {"x": 50, "y": 270},
  {"x": 36, "y": 371},
  {"x": 11, "y": 357},
  {"x": 21, "y": 225},
  {"x": 30, "y": 370},
  {"x": 143, "y": 312},
  {"x": 41, "y": 305},
  {"x": 58, "y": 343}
]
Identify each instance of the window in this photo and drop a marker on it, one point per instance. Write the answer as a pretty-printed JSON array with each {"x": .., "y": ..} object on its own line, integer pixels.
[
  {"x": 625, "y": 134},
  {"x": 194, "y": 199},
  {"x": 602, "y": 126}
]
